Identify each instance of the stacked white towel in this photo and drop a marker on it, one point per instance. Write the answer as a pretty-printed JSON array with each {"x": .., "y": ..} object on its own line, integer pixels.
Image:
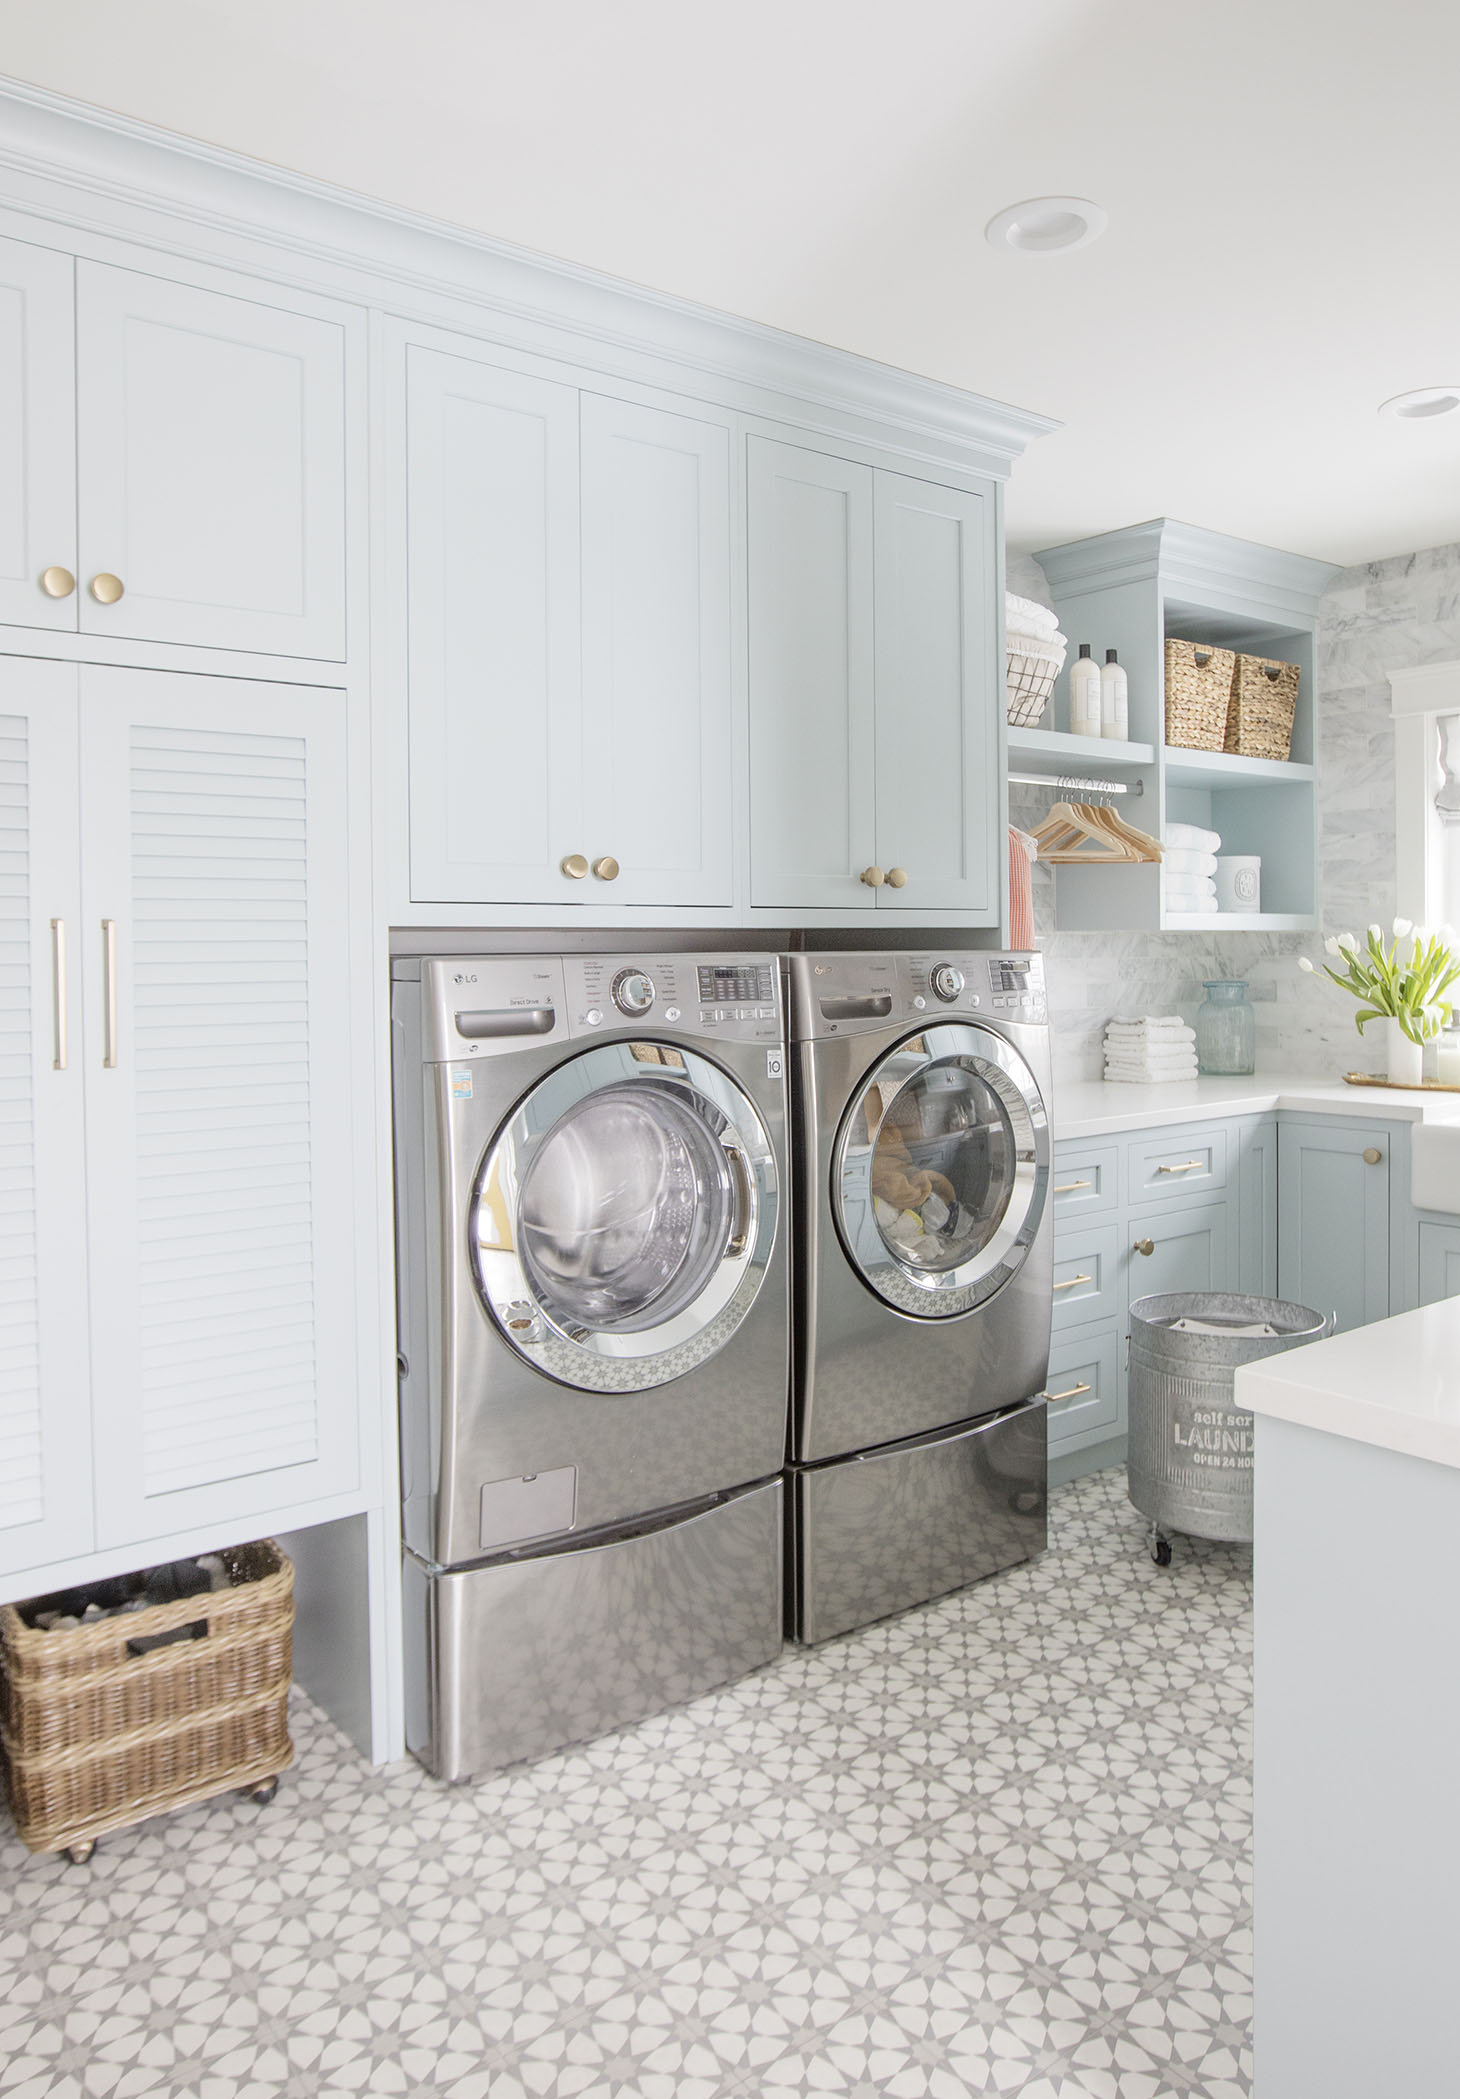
[
  {"x": 1188, "y": 865},
  {"x": 1150, "y": 1052}
]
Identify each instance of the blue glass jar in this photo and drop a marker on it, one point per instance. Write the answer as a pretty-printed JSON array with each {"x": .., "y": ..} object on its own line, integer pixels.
[{"x": 1226, "y": 1031}]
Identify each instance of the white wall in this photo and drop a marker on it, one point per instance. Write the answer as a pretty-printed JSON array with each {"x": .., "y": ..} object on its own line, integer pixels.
[{"x": 1374, "y": 619}]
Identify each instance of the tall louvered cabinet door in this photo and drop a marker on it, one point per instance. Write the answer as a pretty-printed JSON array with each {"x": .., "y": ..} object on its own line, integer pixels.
[
  {"x": 45, "y": 1470},
  {"x": 220, "y": 1072}
]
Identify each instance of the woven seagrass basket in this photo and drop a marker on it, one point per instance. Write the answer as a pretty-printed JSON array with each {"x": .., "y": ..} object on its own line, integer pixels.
[
  {"x": 1264, "y": 700},
  {"x": 1198, "y": 692},
  {"x": 102, "y": 1725}
]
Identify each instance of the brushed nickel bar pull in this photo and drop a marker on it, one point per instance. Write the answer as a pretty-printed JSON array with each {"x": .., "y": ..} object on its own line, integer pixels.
[
  {"x": 59, "y": 1028},
  {"x": 1069, "y": 1187},
  {"x": 1073, "y": 1393},
  {"x": 109, "y": 990},
  {"x": 1189, "y": 1166},
  {"x": 1073, "y": 1281}
]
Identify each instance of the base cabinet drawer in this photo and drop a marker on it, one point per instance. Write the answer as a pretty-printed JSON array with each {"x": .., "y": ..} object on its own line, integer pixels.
[
  {"x": 1086, "y": 1275},
  {"x": 1175, "y": 1163},
  {"x": 1084, "y": 1387},
  {"x": 1084, "y": 1181}
]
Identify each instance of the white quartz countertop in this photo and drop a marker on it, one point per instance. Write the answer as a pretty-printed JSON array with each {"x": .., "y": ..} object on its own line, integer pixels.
[
  {"x": 1394, "y": 1385},
  {"x": 1094, "y": 1108}
]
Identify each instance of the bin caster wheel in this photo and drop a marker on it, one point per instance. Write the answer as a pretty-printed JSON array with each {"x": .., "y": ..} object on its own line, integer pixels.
[
  {"x": 79, "y": 1854},
  {"x": 1161, "y": 1552},
  {"x": 263, "y": 1792}
]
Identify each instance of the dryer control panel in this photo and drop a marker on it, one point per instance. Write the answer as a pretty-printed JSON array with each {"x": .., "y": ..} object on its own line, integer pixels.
[{"x": 837, "y": 994}]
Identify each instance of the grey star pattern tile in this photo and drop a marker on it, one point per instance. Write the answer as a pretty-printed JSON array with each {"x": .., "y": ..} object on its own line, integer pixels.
[{"x": 997, "y": 1845}]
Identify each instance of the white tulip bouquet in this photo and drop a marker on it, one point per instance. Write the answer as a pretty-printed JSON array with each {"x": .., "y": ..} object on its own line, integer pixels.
[{"x": 1405, "y": 979}]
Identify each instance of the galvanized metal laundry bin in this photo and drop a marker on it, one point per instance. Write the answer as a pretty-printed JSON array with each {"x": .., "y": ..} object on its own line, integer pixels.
[{"x": 1190, "y": 1448}]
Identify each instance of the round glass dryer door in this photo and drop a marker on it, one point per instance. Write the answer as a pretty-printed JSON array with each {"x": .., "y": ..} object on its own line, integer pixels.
[
  {"x": 941, "y": 1171},
  {"x": 622, "y": 1221}
]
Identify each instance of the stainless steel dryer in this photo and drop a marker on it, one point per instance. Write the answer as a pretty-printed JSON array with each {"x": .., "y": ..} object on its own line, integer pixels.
[
  {"x": 593, "y": 1316},
  {"x": 921, "y": 1157}
]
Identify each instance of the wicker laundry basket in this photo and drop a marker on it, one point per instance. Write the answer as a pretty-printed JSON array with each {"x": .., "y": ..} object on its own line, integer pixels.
[
  {"x": 1264, "y": 700},
  {"x": 104, "y": 1724},
  {"x": 1198, "y": 693}
]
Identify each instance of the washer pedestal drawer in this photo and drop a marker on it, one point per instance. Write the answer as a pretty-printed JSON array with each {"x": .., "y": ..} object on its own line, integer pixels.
[
  {"x": 522, "y": 1657},
  {"x": 898, "y": 1526}
]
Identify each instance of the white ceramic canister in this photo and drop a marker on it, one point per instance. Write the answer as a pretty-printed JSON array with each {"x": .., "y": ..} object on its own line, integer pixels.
[
  {"x": 1084, "y": 694},
  {"x": 1114, "y": 700},
  {"x": 1239, "y": 882}
]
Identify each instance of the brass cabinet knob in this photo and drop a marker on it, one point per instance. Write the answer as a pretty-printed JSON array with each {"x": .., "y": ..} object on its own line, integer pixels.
[
  {"x": 58, "y": 583},
  {"x": 1145, "y": 1246},
  {"x": 1372, "y": 1155},
  {"x": 873, "y": 877},
  {"x": 106, "y": 589},
  {"x": 606, "y": 868},
  {"x": 575, "y": 867},
  {"x": 897, "y": 878}
]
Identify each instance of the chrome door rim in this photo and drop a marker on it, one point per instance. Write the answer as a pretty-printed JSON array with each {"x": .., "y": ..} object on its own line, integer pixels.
[
  {"x": 929, "y": 1294},
  {"x": 601, "y": 1359}
]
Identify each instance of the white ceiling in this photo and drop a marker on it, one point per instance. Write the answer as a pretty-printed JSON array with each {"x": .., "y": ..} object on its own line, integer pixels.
[{"x": 1282, "y": 181}]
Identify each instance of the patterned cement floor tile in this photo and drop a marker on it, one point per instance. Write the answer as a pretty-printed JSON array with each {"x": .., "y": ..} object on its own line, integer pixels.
[{"x": 998, "y": 1845}]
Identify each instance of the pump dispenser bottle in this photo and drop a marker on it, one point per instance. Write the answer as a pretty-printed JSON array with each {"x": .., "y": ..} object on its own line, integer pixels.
[
  {"x": 1084, "y": 695},
  {"x": 1114, "y": 703}
]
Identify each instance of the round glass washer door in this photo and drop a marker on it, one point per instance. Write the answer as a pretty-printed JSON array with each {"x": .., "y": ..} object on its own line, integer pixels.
[
  {"x": 941, "y": 1171},
  {"x": 622, "y": 1220}
]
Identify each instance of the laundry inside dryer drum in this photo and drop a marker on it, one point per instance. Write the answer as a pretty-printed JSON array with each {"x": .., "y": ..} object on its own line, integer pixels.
[{"x": 943, "y": 1164}]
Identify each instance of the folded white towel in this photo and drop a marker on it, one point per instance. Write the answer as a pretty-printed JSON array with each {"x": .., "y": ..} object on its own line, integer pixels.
[
  {"x": 1193, "y": 838},
  {"x": 1028, "y": 616},
  {"x": 1152, "y": 1028},
  {"x": 1158, "y": 1067},
  {"x": 1200, "y": 897},
  {"x": 1181, "y": 860}
]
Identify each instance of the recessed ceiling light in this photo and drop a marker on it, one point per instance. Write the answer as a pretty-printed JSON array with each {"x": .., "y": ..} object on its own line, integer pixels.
[
  {"x": 1421, "y": 404},
  {"x": 1046, "y": 225}
]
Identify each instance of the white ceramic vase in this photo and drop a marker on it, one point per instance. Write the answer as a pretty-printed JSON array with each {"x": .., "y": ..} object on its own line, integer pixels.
[{"x": 1404, "y": 1061}]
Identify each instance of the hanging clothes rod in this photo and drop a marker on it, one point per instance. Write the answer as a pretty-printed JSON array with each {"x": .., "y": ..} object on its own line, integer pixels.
[{"x": 1076, "y": 783}]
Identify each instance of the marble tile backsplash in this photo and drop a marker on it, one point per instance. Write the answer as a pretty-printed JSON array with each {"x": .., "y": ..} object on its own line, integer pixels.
[{"x": 1373, "y": 620}]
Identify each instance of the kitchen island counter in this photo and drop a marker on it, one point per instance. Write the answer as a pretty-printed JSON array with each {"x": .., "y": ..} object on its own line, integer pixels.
[{"x": 1357, "y": 1709}]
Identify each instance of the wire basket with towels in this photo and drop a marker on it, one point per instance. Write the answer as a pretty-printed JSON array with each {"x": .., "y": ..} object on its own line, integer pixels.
[{"x": 1034, "y": 657}]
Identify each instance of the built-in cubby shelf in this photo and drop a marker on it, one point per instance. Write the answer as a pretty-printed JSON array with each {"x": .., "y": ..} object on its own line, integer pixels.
[{"x": 1129, "y": 591}]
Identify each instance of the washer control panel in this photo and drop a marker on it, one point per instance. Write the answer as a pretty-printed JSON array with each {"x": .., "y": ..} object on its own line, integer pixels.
[
  {"x": 733, "y": 998},
  {"x": 848, "y": 994}
]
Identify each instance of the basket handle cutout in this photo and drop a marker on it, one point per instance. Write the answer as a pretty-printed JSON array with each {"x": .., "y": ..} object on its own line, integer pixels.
[
  {"x": 150, "y": 1642},
  {"x": 1273, "y": 671},
  {"x": 1201, "y": 658}
]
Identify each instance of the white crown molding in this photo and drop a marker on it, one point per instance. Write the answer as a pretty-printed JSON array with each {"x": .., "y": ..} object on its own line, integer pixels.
[
  {"x": 1426, "y": 688},
  {"x": 55, "y": 153}
]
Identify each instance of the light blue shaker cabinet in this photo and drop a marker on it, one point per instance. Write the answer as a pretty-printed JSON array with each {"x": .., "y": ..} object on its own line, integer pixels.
[
  {"x": 1334, "y": 1226},
  {"x": 37, "y": 436},
  {"x": 874, "y": 689},
  {"x": 569, "y": 641},
  {"x": 1439, "y": 1260}
]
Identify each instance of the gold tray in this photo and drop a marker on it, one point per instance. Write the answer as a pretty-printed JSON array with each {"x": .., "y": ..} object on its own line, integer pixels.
[{"x": 1367, "y": 1078}]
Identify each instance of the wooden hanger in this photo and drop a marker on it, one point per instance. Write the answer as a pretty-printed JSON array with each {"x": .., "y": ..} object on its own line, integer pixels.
[{"x": 1079, "y": 834}]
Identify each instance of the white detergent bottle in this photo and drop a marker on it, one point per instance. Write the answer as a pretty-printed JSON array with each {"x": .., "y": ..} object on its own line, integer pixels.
[
  {"x": 1085, "y": 695},
  {"x": 1114, "y": 702}
]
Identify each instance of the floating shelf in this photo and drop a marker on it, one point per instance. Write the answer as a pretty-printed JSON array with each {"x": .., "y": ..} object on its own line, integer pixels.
[
  {"x": 1055, "y": 751},
  {"x": 1217, "y": 769},
  {"x": 1237, "y": 922}
]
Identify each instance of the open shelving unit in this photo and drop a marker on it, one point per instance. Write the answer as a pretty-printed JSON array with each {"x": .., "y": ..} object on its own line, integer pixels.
[{"x": 1128, "y": 591}]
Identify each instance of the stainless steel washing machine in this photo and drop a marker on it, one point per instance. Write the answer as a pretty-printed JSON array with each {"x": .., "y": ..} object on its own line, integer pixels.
[
  {"x": 921, "y": 1164},
  {"x": 594, "y": 1331}
]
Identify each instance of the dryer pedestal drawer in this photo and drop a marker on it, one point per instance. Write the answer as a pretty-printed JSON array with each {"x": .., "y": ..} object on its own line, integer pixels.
[
  {"x": 878, "y": 1533},
  {"x": 525, "y": 1656}
]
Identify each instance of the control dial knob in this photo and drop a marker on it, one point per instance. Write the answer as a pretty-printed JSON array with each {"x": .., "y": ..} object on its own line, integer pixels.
[
  {"x": 947, "y": 982},
  {"x": 633, "y": 992}
]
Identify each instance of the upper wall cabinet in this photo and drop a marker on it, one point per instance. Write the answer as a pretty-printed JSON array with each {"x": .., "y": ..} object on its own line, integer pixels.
[
  {"x": 569, "y": 643},
  {"x": 873, "y": 689},
  {"x": 184, "y": 481}
]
